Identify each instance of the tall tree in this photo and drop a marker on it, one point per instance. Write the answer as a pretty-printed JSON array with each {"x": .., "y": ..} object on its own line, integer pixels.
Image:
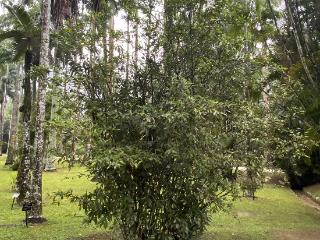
[
  {"x": 36, "y": 213},
  {"x": 299, "y": 45},
  {"x": 12, "y": 149},
  {"x": 193, "y": 78},
  {"x": 25, "y": 36},
  {"x": 3, "y": 101}
]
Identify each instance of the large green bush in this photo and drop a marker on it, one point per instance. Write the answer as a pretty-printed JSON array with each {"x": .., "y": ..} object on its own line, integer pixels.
[
  {"x": 166, "y": 138},
  {"x": 160, "y": 175}
]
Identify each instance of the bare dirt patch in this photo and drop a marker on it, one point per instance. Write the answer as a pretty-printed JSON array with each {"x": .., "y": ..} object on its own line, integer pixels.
[
  {"x": 307, "y": 201},
  {"x": 297, "y": 235},
  {"x": 244, "y": 214},
  {"x": 98, "y": 236}
]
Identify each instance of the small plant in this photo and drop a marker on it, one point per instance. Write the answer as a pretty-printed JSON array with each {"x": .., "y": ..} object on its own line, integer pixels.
[{"x": 15, "y": 165}]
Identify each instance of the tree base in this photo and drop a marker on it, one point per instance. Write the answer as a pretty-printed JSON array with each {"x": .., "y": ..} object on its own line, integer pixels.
[{"x": 36, "y": 220}]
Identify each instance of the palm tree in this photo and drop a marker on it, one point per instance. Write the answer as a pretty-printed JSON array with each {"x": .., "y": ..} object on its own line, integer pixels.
[
  {"x": 25, "y": 36},
  {"x": 36, "y": 213}
]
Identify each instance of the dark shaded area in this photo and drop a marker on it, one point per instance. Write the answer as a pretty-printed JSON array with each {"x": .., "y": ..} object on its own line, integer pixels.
[
  {"x": 308, "y": 172},
  {"x": 36, "y": 220},
  {"x": 6, "y": 131}
]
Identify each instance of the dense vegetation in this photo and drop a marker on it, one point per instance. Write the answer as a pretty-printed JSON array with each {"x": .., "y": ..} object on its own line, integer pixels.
[{"x": 172, "y": 106}]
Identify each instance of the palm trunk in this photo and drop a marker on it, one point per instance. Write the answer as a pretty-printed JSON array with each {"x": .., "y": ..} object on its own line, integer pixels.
[
  {"x": 12, "y": 148},
  {"x": 49, "y": 163},
  {"x": 36, "y": 213},
  {"x": 23, "y": 177}
]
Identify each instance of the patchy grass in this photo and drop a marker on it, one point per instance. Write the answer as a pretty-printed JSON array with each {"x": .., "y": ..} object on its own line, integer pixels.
[
  {"x": 277, "y": 214},
  {"x": 314, "y": 190}
]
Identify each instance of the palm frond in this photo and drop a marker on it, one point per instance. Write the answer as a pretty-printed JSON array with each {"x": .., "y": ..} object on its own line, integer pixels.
[
  {"x": 16, "y": 34},
  {"x": 21, "y": 42},
  {"x": 21, "y": 15}
]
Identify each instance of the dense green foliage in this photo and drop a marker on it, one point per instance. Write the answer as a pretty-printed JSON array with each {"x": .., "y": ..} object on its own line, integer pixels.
[
  {"x": 295, "y": 93},
  {"x": 166, "y": 142}
]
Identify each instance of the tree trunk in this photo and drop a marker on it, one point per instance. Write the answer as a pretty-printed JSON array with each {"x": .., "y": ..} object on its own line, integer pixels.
[
  {"x": 299, "y": 47},
  {"x": 1, "y": 124},
  {"x": 128, "y": 50},
  {"x": 36, "y": 213},
  {"x": 136, "y": 47},
  {"x": 2, "y": 110},
  {"x": 23, "y": 177},
  {"x": 168, "y": 48},
  {"x": 111, "y": 47},
  {"x": 105, "y": 41},
  {"x": 282, "y": 40},
  {"x": 51, "y": 136},
  {"x": 12, "y": 148}
]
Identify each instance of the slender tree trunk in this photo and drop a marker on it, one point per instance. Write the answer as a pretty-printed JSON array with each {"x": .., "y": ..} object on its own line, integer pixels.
[
  {"x": 12, "y": 148},
  {"x": 135, "y": 54},
  {"x": 136, "y": 47},
  {"x": 111, "y": 47},
  {"x": 128, "y": 49},
  {"x": 36, "y": 213},
  {"x": 105, "y": 41},
  {"x": 51, "y": 136},
  {"x": 2, "y": 110},
  {"x": 168, "y": 48},
  {"x": 1, "y": 124},
  {"x": 301, "y": 28},
  {"x": 298, "y": 42},
  {"x": 283, "y": 41},
  {"x": 92, "y": 55}
]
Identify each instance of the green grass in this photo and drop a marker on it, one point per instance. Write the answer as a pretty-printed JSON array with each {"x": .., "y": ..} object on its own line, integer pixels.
[
  {"x": 64, "y": 221},
  {"x": 314, "y": 190},
  {"x": 276, "y": 209}
]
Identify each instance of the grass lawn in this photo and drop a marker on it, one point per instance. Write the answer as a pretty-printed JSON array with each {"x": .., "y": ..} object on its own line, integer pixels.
[
  {"x": 276, "y": 212},
  {"x": 64, "y": 221},
  {"x": 313, "y": 190}
]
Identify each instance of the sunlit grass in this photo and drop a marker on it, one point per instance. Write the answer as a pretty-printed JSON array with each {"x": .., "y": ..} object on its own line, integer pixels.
[
  {"x": 276, "y": 209},
  {"x": 64, "y": 220}
]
